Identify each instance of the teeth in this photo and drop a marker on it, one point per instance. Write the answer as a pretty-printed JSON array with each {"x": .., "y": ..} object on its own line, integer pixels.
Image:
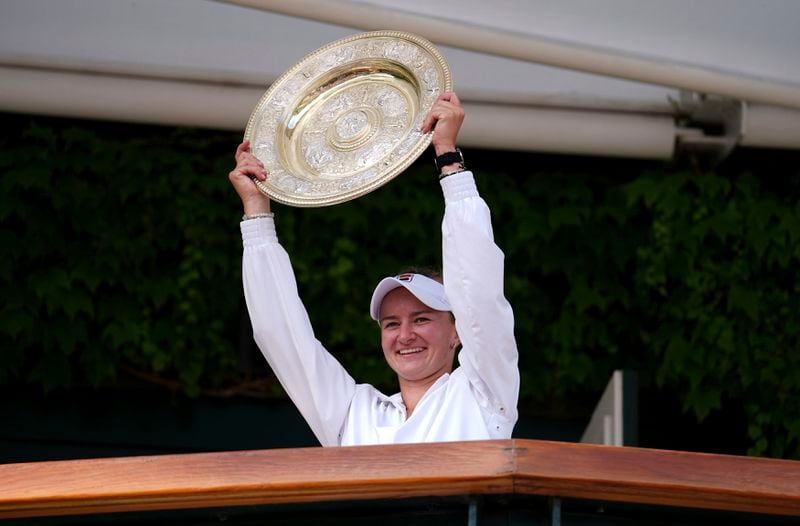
[{"x": 410, "y": 351}]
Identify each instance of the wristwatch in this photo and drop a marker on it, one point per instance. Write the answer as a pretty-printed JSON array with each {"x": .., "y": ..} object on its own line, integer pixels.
[{"x": 448, "y": 158}]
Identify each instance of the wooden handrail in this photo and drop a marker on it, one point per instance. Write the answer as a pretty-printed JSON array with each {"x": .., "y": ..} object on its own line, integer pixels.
[
  {"x": 648, "y": 476},
  {"x": 556, "y": 469}
]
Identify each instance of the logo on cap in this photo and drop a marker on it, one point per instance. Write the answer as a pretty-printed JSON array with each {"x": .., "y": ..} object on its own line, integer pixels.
[{"x": 404, "y": 277}]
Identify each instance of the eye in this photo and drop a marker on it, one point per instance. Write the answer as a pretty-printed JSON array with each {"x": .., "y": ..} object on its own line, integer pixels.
[
  {"x": 389, "y": 325},
  {"x": 421, "y": 319}
]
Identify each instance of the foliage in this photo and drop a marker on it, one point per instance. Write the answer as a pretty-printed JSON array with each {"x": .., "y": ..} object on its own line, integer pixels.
[
  {"x": 718, "y": 283},
  {"x": 121, "y": 252},
  {"x": 116, "y": 251}
]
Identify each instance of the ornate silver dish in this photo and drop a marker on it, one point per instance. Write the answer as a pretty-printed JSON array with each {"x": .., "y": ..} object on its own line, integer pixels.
[{"x": 346, "y": 119}]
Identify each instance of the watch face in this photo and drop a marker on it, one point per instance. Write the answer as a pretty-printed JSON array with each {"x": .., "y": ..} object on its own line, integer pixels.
[{"x": 346, "y": 119}]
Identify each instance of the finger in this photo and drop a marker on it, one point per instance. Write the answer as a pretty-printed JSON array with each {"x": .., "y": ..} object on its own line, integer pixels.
[
  {"x": 250, "y": 168},
  {"x": 241, "y": 174},
  {"x": 437, "y": 112},
  {"x": 249, "y": 158},
  {"x": 242, "y": 148},
  {"x": 441, "y": 111},
  {"x": 427, "y": 124},
  {"x": 259, "y": 173},
  {"x": 451, "y": 97}
]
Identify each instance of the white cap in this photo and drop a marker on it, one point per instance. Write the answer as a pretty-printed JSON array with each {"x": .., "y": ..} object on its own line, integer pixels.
[{"x": 427, "y": 290}]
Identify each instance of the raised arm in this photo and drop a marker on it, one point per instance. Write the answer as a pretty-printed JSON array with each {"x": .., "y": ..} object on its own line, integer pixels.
[
  {"x": 473, "y": 275},
  {"x": 318, "y": 385}
]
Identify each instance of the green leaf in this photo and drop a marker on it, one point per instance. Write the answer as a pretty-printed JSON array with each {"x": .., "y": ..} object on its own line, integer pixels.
[
  {"x": 565, "y": 216},
  {"x": 76, "y": 301},
  {"x": 745, "y": 300}
]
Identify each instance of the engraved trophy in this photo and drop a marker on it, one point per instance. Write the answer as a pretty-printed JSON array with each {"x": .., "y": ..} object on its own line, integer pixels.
[{"x": 345, "y": 120}]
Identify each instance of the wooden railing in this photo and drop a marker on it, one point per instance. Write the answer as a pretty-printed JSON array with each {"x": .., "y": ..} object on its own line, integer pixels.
[{"x": 510, "y": 467}]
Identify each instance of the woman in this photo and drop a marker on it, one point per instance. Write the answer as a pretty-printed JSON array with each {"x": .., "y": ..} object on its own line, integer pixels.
[{"x": 422, "y": 322}]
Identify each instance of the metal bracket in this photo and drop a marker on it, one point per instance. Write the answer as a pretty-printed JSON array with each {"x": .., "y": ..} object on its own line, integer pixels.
[
  {"x": 708, "y": 127},
  {"x": 472, "y": 517},
  {"x": 555, "y": 511}
]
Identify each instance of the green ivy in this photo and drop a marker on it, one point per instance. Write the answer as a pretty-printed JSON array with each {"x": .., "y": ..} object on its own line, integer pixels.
[
  {"x": 116, "y": 252},
  {"x": 120, "y": 253},
  {"x": 718, "y": 278}
]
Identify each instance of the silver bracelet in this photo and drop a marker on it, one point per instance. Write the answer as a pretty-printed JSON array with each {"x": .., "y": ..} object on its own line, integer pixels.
[
  {"x": 257, "y": 216},
  {"x": 442, "y": 176}
]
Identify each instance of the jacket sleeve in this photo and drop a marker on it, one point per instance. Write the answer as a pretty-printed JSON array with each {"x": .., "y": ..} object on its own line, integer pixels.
[
  {"x": 315, "y": 381},
  {"x": 473, "y": 276}
]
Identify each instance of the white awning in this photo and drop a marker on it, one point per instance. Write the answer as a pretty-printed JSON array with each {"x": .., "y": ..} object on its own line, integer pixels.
[{"x": 575, "y": 76}]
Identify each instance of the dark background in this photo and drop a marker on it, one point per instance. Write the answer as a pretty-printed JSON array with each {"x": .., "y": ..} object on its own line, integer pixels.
[{"x": 123, "y": 329}]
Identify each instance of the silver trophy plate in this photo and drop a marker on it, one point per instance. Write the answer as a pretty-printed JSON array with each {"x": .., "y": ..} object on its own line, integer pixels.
[{"x": 346, "y": 119}]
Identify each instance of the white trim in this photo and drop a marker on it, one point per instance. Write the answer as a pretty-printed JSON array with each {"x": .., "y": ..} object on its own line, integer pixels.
[
  {"x": 542, "y": 50},
  {"x": 156, "y": 101}
]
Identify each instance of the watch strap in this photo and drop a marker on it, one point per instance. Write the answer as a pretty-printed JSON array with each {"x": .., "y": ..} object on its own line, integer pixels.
[{"x": 448, "y": 158}]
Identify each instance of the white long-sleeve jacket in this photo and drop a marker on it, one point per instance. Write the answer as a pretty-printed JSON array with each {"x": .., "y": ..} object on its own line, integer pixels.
[{"x": 478, "y": 400}]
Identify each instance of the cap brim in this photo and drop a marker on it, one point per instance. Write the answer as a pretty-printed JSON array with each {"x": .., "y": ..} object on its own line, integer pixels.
[{"x": 428, "y": 291}]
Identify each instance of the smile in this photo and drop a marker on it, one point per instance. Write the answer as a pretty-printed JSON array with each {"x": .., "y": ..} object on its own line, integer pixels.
[{"x": 414, "y": 350}]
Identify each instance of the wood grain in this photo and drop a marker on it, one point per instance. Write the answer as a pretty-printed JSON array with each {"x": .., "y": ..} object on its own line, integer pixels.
[
  {"x": 254, "y": 477},
  {"x": 650, "y": 476},
  {"x": 532, "y": 467}
]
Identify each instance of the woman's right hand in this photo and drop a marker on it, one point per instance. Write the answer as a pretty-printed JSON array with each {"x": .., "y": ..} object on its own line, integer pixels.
[{"x": 249, "y": 168}]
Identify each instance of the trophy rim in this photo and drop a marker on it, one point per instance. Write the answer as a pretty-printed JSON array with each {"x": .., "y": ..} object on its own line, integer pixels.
[{"x": 298, "y": 176}]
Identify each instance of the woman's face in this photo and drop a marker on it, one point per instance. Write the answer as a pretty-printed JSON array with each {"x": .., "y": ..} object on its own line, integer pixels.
[{"x": 418, "y": 342}]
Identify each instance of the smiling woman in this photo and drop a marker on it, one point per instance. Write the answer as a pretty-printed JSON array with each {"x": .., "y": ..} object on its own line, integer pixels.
[
  {"x": 422, "y": 322},
  {"x": 418, "y": 342}
]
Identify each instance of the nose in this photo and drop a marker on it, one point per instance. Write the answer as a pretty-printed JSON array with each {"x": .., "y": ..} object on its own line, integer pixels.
[{"x": 407, "y": 333}]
